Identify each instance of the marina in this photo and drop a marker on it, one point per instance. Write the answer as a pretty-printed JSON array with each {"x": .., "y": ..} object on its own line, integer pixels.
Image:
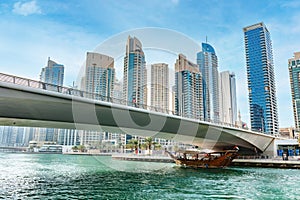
[{"x": 57, "y": 176}]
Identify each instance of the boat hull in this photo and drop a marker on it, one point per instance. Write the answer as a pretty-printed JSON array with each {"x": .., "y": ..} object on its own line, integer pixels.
[{"x": 208, "y": 162}]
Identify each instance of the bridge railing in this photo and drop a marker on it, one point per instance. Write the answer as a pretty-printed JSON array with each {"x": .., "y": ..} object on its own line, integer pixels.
[{"x": 79, "y": 93}]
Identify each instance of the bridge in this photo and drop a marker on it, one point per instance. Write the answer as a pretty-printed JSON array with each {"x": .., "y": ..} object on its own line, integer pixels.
[{"x": 25, "y": 102}]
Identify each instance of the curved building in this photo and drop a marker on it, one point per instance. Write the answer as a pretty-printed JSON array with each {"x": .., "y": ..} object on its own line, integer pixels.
[
  {"x": 135, "y": 74},
  {"x": 207, "y": 61}
]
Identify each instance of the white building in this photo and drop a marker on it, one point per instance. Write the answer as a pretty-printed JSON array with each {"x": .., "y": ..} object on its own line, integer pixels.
[
  {"x": 160, "y": 87},
  {"x": 228, "y": 105}
]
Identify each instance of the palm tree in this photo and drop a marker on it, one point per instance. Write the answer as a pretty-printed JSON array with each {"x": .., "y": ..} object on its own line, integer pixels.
[
  {"x": 75, "y": 149},
  {"x": 134, "y": 144},
  {"x": 81, "y": 148},
  {"x": 149, "y": 142},
  {"x": 157, "y": 146}
]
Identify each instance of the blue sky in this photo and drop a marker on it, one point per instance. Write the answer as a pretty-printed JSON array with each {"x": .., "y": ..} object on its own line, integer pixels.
[{"x": 31, "y": 31}]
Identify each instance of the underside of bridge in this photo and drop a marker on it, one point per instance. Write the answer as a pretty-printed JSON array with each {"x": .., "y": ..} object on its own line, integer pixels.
[{"x": 22, "y": 106}]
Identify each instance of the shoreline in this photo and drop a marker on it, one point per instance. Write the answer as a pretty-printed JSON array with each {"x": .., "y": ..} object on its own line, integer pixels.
[{"x": 143, "y": 158}]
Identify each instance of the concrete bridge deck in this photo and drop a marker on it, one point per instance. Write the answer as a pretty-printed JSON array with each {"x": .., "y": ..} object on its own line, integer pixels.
[{"x": 35, "y": 107}]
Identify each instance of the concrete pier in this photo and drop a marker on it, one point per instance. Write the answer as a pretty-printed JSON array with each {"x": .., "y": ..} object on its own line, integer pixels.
[
  {"x": 143, "y": 158},
  {"x": 267, "y": 163},
  {"x": 264, "y": 163}
]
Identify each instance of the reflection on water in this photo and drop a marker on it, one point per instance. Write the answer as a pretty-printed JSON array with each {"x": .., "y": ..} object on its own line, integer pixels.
[{"x": 43, "y": 176}]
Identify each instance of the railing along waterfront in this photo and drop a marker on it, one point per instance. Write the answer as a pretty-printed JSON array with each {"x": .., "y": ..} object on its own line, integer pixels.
[{"x": 79, "y": 93}]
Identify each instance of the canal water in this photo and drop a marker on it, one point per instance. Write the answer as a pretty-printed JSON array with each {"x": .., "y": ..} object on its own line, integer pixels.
[{"x": 41, "y": 176}]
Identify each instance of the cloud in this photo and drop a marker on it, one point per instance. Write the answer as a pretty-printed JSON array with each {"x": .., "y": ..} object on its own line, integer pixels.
[
  {"x": 175, "y": 2},
  {"x": 68, "y": 47},
  {"x": 27, "y": 8},
  {"x": 291, "y": 4}
]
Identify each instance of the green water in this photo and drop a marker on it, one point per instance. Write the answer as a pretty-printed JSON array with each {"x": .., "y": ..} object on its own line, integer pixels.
[{"x": 41, "y": 176}]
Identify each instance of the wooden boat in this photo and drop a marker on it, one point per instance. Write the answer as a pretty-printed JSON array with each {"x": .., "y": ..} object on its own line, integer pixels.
[{"x": 197, "y": 159}]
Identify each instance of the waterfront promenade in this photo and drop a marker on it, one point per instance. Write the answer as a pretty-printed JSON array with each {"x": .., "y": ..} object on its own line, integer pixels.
[
  {"x": 263, "y": 162},
  {"x": 143, "y": 158},
  {"x": 277, "y": 162}
]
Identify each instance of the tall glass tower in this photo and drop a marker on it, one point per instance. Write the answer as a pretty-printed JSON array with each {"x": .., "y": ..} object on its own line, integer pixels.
[
  {"x": 135, "y": 74},
  {"x": 188, "y": 89},
  {"x": 100, "y": 75},
  {"x": 294, "y": 71},
  {"x": 207, "y": 61},
  {"x": 261, "y": 79},
  {"x": 53, "y": 73}
]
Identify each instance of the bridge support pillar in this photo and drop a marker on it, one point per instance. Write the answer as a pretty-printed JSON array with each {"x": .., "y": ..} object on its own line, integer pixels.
[{"x": 270, "y": 150}]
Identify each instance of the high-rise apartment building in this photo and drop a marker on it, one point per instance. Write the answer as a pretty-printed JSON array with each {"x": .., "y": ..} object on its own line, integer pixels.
[
  {"x": 261, "y": 79},
  {"x": 118, "y": 91},
  {"x": 228, "y": 106},
  {"x": 188, "y": 89},
  {"x": 160, "y": 87},
  {"x": 14, "y": 136},
  {"x": 99, "y": 75},
  {"x": 135, "y": 74},
  {"x": 294, "y": 71},
  {"x": 53, "y": 73},
  {"x": 207, "y": 61},
  {"x": 68, "y": 137}
]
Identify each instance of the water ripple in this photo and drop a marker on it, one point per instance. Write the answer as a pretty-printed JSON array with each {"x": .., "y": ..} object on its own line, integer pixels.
[{"x": 31, "y": 176}]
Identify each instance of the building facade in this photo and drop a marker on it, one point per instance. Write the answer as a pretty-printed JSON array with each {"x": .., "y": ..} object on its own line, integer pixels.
[
  {"x": 53, "y": 73},
  {"x": 228, "y": 105},
  {"x": 68, "y": 137},
  {"x": 160, "y": 87},
  {"x": 14, "y": 136},
  {"x": 207, "y": 61},
  {"x": 188, "y": 89},
  {"x": 99, "y": 76},
  {"x": 261, "y": 79},
  {"x": 294, "y": 71},
  {"x": 135, "y": 74},
  {"x": 118, "y": 92}
]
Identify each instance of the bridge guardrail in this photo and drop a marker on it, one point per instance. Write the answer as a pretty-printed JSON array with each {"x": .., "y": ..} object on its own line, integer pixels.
[{"x": 79, "y": 93}]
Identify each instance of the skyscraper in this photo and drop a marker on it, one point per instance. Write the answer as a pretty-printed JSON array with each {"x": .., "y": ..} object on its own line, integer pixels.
[
  {"x": 207, "y": 61},
  {"x": 188, "y": 89},
  {"x": 294, "y": 71},
  {"x": 261, "y": 79},
  {"x": 160, "y": 86},
  {"x": 68, "y": 137},
  {"x": 228, "y": 107},
  {"x": 100, "y": 75},
  {"x": 135, "y": 74},
  {"x": 118, "y": 91},
  {"x": 53, "y": 73}
]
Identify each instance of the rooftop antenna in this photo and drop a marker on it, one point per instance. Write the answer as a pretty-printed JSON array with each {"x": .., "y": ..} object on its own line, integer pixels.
[{"x": 206, "y": 40}]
